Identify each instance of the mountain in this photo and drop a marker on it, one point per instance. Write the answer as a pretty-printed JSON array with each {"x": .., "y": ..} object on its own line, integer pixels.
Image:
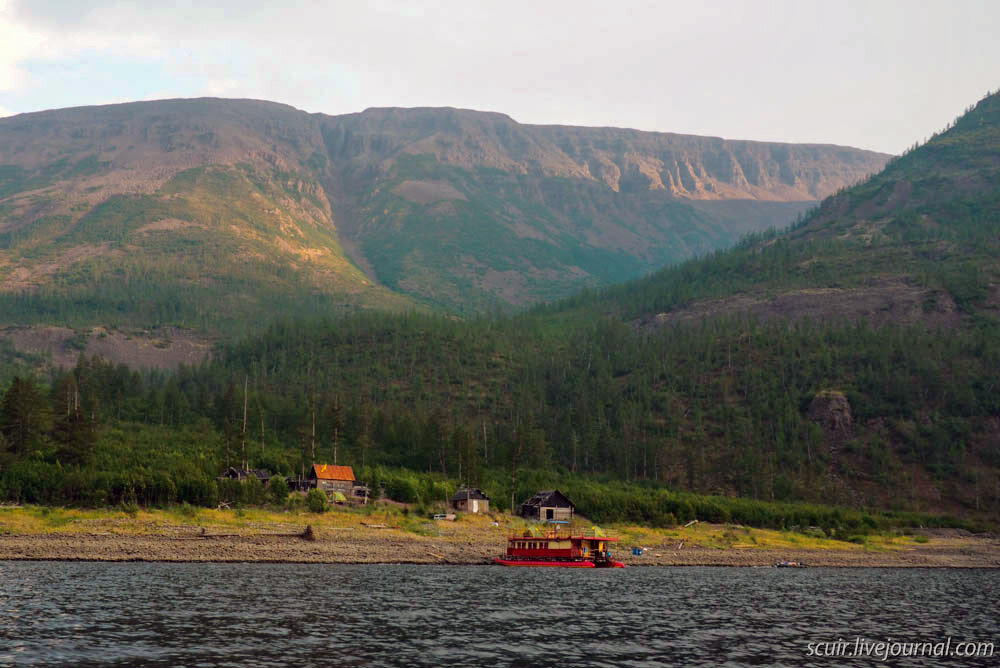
[
  {"x": 215, "y": 213},
  {"x": 913, "y": 244},
  {"x": 195, "y": 213},
  {"x": 468, "y": 209}
]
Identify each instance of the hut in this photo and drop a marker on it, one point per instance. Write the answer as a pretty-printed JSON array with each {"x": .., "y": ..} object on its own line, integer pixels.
[
  {"x": 360, "y": 493},
  {"x": 332, "y": 479},
  {"x": 550, "y": 505},
  {"x": 471, "y": 500},
  {"x": 233, "y": 473}
]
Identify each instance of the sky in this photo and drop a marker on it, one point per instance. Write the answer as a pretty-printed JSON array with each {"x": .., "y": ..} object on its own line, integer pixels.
[{"x": 879, "y": 74}]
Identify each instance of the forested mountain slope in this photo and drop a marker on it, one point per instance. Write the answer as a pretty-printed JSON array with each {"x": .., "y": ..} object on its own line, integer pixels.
[
  {"x": 916, "y": 243},
  {"x": 199, "y": 213},
  {"x": 216, "y": 213}
]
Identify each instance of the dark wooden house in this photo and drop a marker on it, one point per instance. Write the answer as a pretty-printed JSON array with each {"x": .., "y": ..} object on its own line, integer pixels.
[
  {"x": 548, "y": 505},
  {"x": 233, "y": 473},
  {"x": 471, "y": 500}
]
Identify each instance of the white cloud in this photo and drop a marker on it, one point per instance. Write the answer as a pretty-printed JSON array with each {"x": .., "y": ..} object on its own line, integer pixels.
[
  {"x": 5, "y": 112},
  {"x": 872, "y": 75},
  {"x": 17, "y": 43}
]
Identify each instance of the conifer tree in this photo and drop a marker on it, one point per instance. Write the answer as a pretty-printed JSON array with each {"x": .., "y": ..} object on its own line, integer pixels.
[{"x": 24, "y": 416}]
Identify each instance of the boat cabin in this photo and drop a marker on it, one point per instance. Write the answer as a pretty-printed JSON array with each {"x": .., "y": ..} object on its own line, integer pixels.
[{"x": 556, "y": 549}]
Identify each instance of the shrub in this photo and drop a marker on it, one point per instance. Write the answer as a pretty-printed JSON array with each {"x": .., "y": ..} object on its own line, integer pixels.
[
  {"x": 187, "y": 510},
  {"x": 316, "y": 501},
  {"x": 254, "y": 492},
  {"x": 279, "y": 490},
  {"x": 402, "y": 488},
  {"x": 130, "y": 508},
  {"x": 198, "y": 491}
]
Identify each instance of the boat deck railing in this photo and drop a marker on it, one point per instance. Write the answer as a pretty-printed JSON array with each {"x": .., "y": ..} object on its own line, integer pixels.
[{"x": 559, "y": 535}]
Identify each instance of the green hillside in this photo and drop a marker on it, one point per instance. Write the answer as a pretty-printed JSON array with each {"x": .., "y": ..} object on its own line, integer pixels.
[
  {"x": 215, "y": 247},
  {"x": 926, "y": 228},
  {"x": 490, "y": 237}
]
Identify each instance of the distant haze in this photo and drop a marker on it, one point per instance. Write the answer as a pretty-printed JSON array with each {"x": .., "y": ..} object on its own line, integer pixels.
[{"x": 875, "y": 75}]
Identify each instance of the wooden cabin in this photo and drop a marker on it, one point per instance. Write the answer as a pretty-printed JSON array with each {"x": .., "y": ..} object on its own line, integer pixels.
[
  {"x": 332, "y": 479},
  {"x": 471, "y": 500},
  {"x": 233, "y": 473},
  {"x": 550, "y": 505}
]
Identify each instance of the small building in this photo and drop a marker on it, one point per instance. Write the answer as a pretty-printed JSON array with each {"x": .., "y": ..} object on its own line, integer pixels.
[
  {"x": 332, "y": 479},
  {"x": 360, "y": 493},
  {"x": 471, "y": 500},
  {"x": 551, "y": 505},
  {"x": 233, "y": 473}
]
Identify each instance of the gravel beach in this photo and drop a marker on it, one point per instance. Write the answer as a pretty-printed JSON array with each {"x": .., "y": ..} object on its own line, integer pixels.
[{"x": 389, "y": 546}]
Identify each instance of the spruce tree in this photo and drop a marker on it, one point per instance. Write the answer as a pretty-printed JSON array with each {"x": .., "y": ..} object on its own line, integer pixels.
[{"x": 24, "y": 416}]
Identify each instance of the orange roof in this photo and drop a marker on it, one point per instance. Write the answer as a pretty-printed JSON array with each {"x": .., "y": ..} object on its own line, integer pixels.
[{"x": 330, "y": 472}]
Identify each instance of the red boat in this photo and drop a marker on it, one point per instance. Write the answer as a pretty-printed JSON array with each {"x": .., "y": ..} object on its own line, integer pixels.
[{"x": 552, "y": 549}]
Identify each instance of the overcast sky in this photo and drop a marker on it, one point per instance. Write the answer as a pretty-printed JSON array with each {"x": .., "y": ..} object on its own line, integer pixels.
[{"x": 874, "y": 74}]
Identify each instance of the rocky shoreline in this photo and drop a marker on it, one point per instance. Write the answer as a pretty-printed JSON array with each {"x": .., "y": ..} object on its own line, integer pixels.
[{"x": 394, "y": 547}]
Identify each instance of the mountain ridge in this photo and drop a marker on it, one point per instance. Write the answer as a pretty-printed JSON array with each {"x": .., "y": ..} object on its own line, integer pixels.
[{"x": 453, "y": 209}]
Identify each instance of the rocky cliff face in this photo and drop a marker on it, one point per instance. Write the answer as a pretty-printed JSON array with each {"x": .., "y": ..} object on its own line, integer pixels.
[
  {"x": 461, "y": 209},
  {"x": 624, "y": 160},
  {"x": 712, "y": 168}
]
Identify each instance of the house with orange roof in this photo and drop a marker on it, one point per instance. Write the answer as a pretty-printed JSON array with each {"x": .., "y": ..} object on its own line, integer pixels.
[{"x": 332, "y": 479}]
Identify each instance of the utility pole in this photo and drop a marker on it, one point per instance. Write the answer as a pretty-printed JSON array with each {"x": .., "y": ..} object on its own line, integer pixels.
[
  {"x": 246, "y": 380},
  {"x": 260, "y": 409}
]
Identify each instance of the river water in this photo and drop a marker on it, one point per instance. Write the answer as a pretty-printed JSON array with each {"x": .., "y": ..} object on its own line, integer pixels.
[{"x": 154, "y": 614}]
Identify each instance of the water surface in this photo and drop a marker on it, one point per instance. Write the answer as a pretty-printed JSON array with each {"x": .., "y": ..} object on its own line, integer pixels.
[{"x": 154, "y": 614}]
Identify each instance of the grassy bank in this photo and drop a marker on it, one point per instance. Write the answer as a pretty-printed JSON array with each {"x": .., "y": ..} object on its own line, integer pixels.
[{"x": 396, "y": 519}]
